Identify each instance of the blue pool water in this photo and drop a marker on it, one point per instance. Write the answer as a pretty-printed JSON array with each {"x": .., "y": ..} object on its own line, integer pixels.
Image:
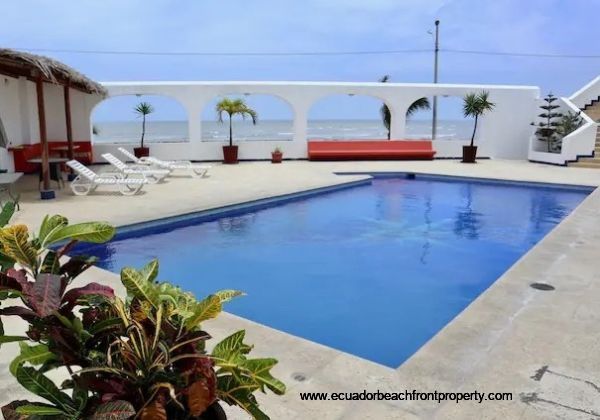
[{"x": 374, "y": 270}]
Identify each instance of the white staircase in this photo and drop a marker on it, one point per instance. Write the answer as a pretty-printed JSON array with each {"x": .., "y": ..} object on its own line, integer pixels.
[{"x": 593, "y": 162}]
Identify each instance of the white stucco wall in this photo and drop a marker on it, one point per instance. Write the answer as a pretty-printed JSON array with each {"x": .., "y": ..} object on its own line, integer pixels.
[
  {"x": 81, "y": 107},
  {"x": 503, "y": 133},
  {"x": 19, "y": 114},
  {"x": 10, "y": 114}
]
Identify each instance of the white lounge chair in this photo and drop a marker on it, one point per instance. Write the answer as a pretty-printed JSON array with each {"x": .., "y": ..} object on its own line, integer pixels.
[
  {"x": 87, "y": 180},
  {"x": 153, "y": 175},
  {"x": 186, "y": 165},
  {"x": 134, "y": 158},
  {"x": 144, "y": 160},
  {"x": 199, "y": 170}
]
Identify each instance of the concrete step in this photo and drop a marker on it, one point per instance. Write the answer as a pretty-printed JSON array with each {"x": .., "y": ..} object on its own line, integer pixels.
[
  {"x": 593, "y": 160},
  {"x": 585, "y": 165}
]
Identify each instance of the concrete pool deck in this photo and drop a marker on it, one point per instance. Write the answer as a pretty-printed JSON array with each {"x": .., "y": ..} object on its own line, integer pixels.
[{"x": 539, "y": 345}]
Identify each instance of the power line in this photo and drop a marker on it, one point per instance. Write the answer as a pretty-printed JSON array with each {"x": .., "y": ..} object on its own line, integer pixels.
[
  {"x": 233, "y": 54},
  {"x": 309, "y": 53},
  {"x": 521, "y": 54}
]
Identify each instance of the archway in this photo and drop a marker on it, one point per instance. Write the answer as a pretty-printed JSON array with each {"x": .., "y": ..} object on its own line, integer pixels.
[
  {"x": 114, "y": 120},
  {"x": 451, "y": 124},
  {"x": 346, "y": 117},
  {"x": 274, "y": 123}
]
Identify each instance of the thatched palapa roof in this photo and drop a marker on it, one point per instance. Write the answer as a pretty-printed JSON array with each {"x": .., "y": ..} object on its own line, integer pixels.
[{"x": 18, "y": 63}]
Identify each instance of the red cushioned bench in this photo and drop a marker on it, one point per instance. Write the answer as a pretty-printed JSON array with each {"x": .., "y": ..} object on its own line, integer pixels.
[
  {"x": 21, "y": 154},
  {"x": 370, "y": 149}
]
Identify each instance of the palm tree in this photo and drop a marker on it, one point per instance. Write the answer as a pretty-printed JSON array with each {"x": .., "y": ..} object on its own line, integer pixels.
[
  {"x": 142, "y": 109},
  {"x": 475, "y": 105},
  {"x": 386, "y": 115},
  {"x": 233, "y": 107}
]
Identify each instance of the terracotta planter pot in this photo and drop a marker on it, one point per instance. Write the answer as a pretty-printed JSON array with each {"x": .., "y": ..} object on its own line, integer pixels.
[
  {"x": 276, "y": 157},
  {"x": 140, "y": 152},
  {"x": 469, "y": 154},
  {"x": 230, "y": 154}
]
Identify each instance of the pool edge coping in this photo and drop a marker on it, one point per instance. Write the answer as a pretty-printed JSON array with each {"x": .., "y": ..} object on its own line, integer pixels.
[
  {"x": 230, "y": 210},
  {"x": 481, "y": 180}
]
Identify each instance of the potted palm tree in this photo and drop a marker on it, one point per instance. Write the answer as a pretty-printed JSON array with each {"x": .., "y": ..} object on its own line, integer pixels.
[
  {"x": 475, "y": 105},
  {"x": 142, "y": 110},
  {"x": 386, "y": 115},
  {"x": 233, "y": 107}
]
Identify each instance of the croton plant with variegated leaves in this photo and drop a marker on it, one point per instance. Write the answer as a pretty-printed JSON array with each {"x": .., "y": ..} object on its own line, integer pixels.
[{"x": 140, "y": 357}]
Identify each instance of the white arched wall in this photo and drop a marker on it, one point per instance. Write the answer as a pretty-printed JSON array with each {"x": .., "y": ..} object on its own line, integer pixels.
[
  {"x": 168, "y": 150},
  {"x": 503, "y": 133}
]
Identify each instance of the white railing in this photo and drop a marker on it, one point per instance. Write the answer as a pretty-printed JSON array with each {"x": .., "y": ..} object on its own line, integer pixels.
[
  {"x": 587, "y": 94},
  {"x": 580, "y": 142}
]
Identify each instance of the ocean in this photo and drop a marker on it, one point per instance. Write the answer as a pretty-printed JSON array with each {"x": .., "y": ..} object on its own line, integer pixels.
[{"x": 274, "y": 130}]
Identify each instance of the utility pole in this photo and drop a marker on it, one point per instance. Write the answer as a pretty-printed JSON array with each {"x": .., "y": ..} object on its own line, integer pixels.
[{"x": 435, "y": 78}]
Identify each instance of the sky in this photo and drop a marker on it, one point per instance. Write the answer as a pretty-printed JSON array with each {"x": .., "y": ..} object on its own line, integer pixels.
[{"x": 539, "y": 26}]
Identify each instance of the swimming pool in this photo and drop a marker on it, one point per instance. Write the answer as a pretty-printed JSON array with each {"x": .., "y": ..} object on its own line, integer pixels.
[{"x": 374, "y": 270}]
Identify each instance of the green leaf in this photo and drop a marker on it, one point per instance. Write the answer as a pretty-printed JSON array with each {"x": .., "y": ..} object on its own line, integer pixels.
[
  {"x": 138, "y": 286},
  {"x": 80, "y": 397},
  {"x": 64, "y": 320},
  {"x": 16, "y": 244},
  {"x": 39, "y": 410},
  {"x": 94, "y": 232},
  {"x": 105, "y": 324},
  {"x": 231, "y": 348},
  {"x": 114, "y": 410},
  {"x": 42, "y": 386},
  {"x": 6, "y": 262},
  {"x": 259, "y": 370},
  {"x": 50, "y": 264},
  {"x": 7, "y": 212},
  {"x": 51, "y": 224},
  {"x": 9, "y": 411},
  {"x": 150, "y": 271},
  {"x": 238, "y": 377},
  {"x": 227, "y": 295},
  {"x": 11, "y": 338},
  {"x": 34, "y": 355},
  {"x": 238, "y": 391},
  {"x": 205, "y": 309}
]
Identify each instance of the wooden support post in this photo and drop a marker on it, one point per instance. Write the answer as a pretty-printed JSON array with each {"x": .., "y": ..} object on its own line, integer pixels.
[
  {"x": 70, "y": 151},
  {"x": 67, "y": 93},
  {"x": 39, "y": 86}
]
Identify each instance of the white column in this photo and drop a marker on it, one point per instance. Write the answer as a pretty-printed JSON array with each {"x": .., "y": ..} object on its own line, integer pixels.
[
  {"x": 193, "y": 111},
  {"x": 194, "y": 128},
  {"x": 300, "y": 128},
  {"x": 300, "y": 124},
  {"x": 398, "y": 126}
]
